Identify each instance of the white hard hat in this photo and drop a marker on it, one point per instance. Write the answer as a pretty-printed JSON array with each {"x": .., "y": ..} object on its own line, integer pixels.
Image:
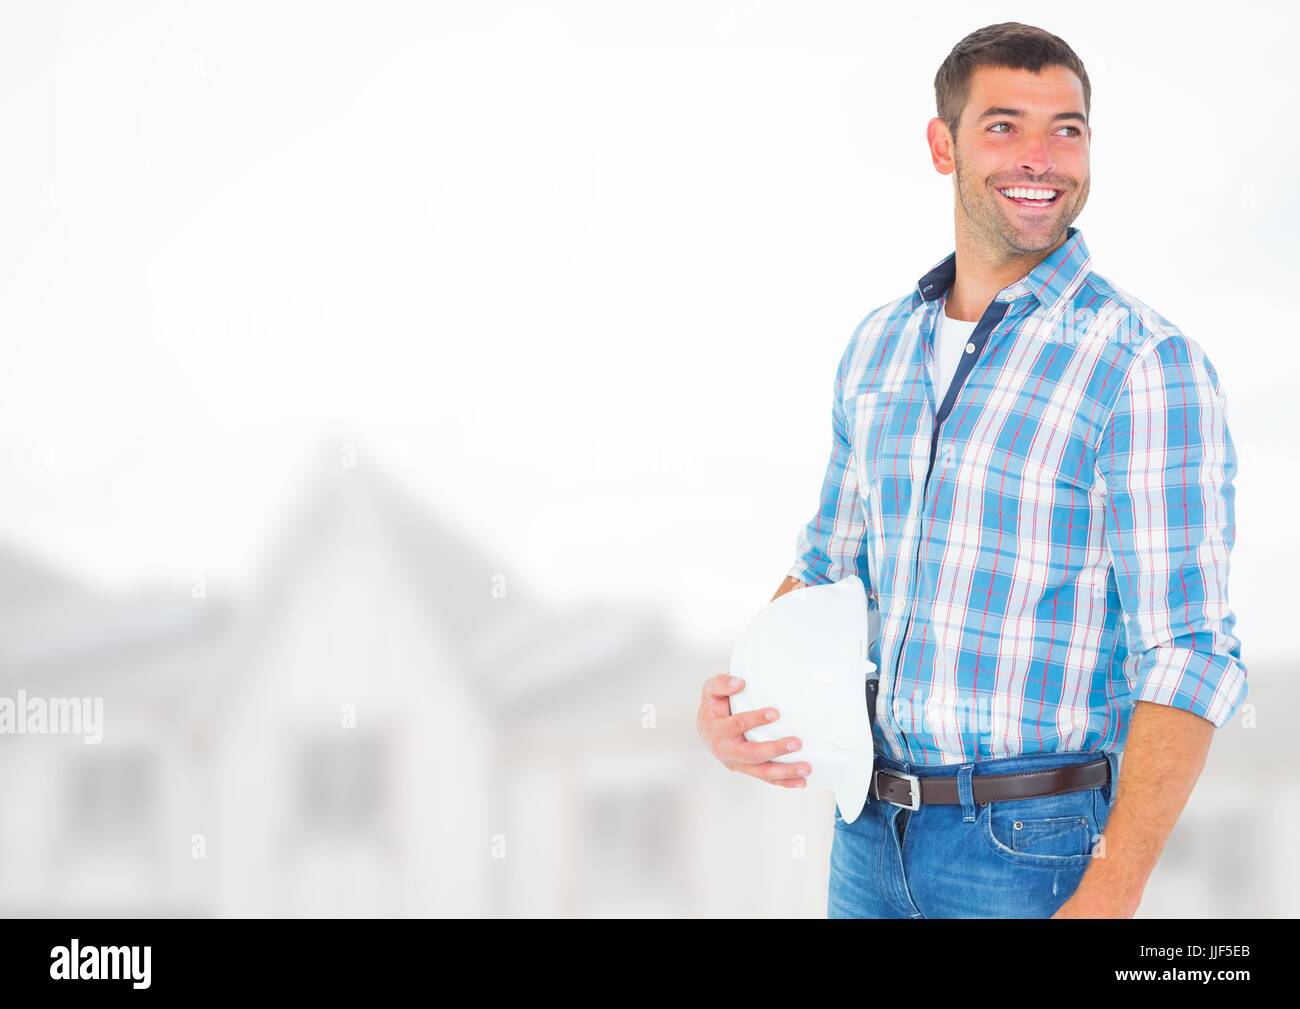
[{"x": 806, "y": 655}]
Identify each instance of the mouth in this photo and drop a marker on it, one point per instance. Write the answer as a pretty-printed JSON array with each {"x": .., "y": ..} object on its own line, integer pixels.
[{"x": 1030, "y": 196}]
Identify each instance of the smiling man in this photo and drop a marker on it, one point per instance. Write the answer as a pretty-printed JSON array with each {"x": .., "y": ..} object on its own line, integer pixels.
[{"x": 1031, "y": 472}]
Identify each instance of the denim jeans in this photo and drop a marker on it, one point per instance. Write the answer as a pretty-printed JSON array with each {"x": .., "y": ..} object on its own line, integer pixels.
[{"x": 1019, "y": 858}]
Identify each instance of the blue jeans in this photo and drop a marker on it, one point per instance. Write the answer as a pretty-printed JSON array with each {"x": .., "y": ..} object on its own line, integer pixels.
[{"x": 1020, "y": 858}]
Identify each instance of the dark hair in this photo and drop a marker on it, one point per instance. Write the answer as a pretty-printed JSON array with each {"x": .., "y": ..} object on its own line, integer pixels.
[{"x": 1010, "y": 45}]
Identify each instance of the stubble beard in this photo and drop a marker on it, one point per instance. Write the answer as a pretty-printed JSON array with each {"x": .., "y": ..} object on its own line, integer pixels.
[{"x": 993, "y": 225}]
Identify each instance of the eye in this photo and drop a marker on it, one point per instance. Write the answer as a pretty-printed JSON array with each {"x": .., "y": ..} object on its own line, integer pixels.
[{"x": 1077, "y": 132}]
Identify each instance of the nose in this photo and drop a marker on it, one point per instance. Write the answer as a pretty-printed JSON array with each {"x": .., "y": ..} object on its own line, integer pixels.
[{"x": 1035, "y": 156}]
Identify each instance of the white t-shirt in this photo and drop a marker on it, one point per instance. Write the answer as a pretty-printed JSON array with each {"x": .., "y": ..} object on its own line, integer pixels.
[{"x": 950, "y": 339}]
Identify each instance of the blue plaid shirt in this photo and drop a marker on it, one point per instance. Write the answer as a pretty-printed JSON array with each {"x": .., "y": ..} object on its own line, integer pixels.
[{"x": 1049, "y": 541}]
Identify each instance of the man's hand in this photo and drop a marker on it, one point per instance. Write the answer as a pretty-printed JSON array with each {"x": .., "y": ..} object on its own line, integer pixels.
[
  {"x": 724, "y": 734},
  {"x": 1163, "y": 757},
  {"x": 1095, "y": 904}
]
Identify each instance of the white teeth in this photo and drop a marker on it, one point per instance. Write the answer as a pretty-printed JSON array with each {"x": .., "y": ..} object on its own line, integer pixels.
[{"x": 1019, "y": 192}]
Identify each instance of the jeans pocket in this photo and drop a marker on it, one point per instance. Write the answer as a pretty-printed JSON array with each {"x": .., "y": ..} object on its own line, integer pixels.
[
  {"x": 1101, "y": 806},
  {"x": 1050, "y": 831}
]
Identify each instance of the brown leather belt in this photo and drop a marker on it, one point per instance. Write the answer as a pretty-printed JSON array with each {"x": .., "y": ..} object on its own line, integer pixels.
[{"x": 911, "y": 791}]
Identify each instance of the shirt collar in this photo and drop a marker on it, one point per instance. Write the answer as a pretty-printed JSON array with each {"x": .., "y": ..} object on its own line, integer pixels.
[{"x": 1057, "y": 277}]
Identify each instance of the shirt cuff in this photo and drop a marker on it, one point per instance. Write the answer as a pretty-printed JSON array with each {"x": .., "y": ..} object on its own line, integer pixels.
[
  {"x": 806, "y": 574},
  {"x": 1212, "y": 686}
]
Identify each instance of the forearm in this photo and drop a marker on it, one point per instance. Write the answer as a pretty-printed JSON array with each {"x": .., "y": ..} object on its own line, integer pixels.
[{"x": 1163, "y": 757}]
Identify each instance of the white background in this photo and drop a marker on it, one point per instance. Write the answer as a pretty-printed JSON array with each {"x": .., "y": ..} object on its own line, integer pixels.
[
  {"x": 580, "y": 273},
  {"x": 578, "y": 277}
]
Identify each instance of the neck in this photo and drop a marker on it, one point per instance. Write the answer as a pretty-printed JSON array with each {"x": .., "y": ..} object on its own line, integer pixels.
[{"x": 982, "y": 272}]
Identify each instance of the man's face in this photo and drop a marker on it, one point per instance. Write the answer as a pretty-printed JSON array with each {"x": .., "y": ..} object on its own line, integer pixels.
[{"x": 1026, "y": 130}]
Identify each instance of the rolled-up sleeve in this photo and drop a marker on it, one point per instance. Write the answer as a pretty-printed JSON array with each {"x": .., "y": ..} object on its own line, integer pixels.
[
  {"x": 832, "y": 544},
  {"x": 1167, "y": 460}
]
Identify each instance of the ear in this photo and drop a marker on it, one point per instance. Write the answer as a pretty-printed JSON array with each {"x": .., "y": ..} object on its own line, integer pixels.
[{"x": 940, "y": 142}]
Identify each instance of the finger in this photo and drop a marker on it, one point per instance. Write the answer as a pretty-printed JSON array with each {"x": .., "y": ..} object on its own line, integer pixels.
[
  {"x": 741, "y": 722},
  {"x": 774, "y": 770},
  {"x": 740, "y": 749},
  {"x": 717, "y": 693},
  {"x": 723, "y": 685}
]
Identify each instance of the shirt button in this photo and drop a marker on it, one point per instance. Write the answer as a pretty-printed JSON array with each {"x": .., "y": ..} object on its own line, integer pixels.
[{"x": 970, "y": 348}]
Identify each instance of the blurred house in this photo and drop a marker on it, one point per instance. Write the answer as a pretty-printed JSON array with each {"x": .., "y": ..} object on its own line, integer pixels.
[
  {"x": 394, "y": 725},
  {"x": 391, "y": 726}
]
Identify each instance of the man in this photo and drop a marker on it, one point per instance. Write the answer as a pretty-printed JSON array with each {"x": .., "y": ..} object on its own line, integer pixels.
[{"x": 1032, "y": 473}]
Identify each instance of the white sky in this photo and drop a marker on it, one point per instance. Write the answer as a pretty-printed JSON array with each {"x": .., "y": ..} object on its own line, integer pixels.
[{"x": 577, "y": 274}]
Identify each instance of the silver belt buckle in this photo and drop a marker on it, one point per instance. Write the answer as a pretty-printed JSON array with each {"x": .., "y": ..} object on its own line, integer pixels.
[{"x": 914, "y": 784}]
